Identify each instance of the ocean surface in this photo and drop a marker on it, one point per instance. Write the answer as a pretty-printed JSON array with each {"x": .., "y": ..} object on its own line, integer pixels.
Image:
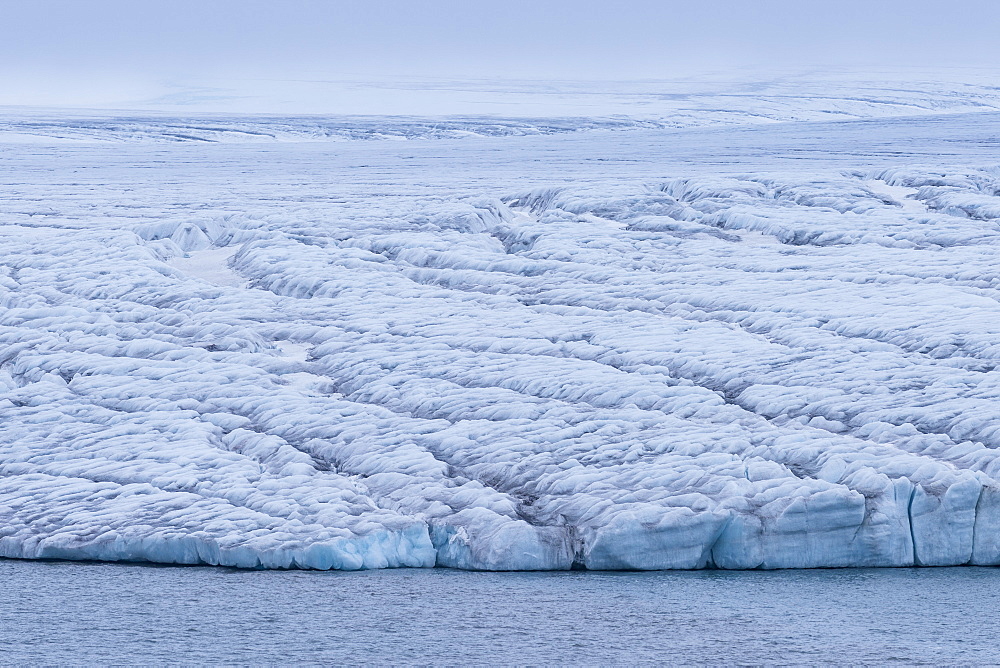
[{"x": 94, "y": 613}]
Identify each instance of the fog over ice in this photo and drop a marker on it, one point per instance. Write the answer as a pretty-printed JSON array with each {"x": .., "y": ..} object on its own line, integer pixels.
[{"x": 311, "y": 56}]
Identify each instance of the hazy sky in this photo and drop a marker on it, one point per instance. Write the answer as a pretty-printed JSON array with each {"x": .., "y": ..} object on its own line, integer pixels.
[{"x": 60, "y": 49}]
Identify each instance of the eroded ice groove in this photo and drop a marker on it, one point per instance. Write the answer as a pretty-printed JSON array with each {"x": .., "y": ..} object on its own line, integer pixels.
[{"x": 410, "y": 367}]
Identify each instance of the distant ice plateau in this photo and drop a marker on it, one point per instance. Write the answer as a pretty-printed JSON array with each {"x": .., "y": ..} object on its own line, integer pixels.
[
  {"x": 351, "y": 109},
  {"x": 513, "y": 344}
]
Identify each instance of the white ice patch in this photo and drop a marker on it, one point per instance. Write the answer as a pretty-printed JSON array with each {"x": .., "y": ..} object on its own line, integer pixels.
[
  {"x": 211, "y": 266},
  {"x": 905, "y": 197},
  {"x": 303, "y": 380},
  {"x": 298, "y": 352}
]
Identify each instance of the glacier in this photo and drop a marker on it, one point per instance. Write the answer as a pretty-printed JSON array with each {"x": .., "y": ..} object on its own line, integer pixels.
[{"x": 501, "y": 345}]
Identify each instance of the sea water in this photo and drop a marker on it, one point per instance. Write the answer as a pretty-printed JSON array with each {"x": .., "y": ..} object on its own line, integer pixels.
[{"x": 87, "y": 613}]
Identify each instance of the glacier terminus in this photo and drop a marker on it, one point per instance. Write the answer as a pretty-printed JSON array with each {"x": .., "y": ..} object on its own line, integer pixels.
[{"x": 768, "y": 338}]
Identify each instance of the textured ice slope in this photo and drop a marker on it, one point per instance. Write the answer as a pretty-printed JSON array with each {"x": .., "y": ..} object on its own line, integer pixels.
[{"x": 771, "y": 347}]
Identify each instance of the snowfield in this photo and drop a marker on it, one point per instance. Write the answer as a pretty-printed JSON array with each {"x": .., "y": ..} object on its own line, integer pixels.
[{"x": 607, "y": 345}]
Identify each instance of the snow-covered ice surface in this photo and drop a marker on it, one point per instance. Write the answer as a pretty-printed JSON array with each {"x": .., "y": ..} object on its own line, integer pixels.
[
  {"x": 442, "y": 108},
  {"x": 760, "y": 346}
]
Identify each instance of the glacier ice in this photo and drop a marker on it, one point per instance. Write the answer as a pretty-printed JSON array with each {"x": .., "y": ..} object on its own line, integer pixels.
[{"x": 737, "y": 348}]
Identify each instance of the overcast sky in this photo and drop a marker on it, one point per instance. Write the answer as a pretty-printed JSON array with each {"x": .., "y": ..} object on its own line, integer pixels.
[{"x": 52, "y": 50}]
